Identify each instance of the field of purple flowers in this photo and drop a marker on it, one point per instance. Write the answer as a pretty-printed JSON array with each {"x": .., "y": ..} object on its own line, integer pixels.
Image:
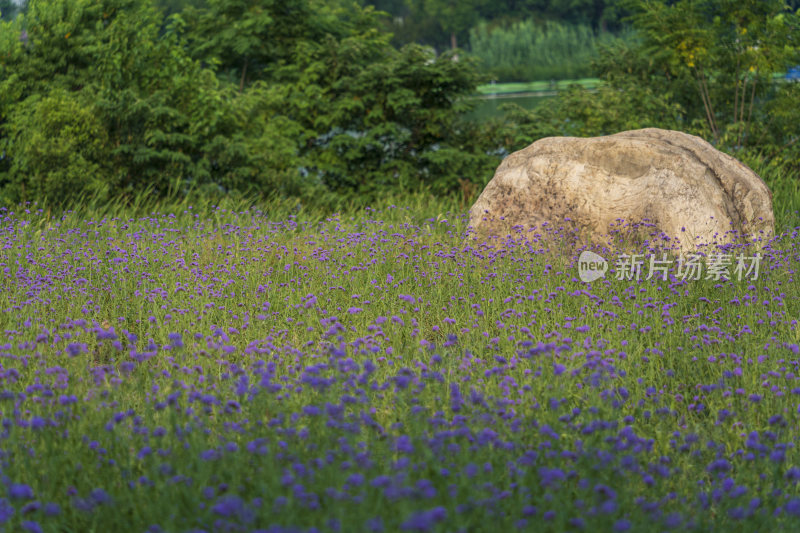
[{"x": 223, "y": 371}]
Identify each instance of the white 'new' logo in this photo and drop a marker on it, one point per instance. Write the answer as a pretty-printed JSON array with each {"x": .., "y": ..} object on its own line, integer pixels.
[{"x": 591, "y": 266}]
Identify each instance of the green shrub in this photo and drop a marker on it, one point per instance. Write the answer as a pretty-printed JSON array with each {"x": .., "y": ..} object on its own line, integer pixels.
[
  {"x": 783, "y": 180},
  {"x": 579, "y": 112},
  {"x": 59, "y": 146}
]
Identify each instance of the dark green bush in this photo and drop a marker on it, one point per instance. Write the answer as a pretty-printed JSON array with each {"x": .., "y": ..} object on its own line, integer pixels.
[{"x": 59, "y": 148}]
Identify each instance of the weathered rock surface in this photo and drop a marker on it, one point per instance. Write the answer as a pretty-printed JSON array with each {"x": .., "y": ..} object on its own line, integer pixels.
[{"x": 679, "y": 184}]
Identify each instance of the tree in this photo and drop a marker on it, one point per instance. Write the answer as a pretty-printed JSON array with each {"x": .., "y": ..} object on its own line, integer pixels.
[
  {"x": 727, "y": 49},
  {"x": 232, "y": 34},
  {"x": 365, "y": 116},
  {"x": 106, "y": 98},
  {"x": 455, "y": 16},
  {"x": 248, "y": 39},
  {"x": 707, "y": 67},
  {"x": 596, "y": 13},
  {"x": 61, "y": 146},
  {"x": 110, "y": 70}
]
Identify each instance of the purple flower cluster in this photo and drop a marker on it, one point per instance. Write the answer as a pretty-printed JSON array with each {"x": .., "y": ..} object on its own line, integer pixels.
[{"x": 235, "y": 374}]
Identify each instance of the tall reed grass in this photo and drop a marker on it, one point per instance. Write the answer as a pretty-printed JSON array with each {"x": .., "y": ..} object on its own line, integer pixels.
[{"x": 533, "y": 50}]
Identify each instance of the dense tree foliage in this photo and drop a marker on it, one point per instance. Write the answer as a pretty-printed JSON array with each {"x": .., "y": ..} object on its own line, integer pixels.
[
  {"x": 102, "y": 74},
  {"x": 455, "y": 16},
  {"x": 301, "y": 97},
  {"x": 705, "y": 67},
  {"x": 728, "y": 50},
  {"x": 310, "y": 99}
]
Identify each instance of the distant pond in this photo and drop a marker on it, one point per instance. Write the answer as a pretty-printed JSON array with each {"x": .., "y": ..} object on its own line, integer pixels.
[{"x": 488, "y": 106}]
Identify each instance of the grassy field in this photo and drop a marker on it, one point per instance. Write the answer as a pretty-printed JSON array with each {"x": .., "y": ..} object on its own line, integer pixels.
[
  {"x": 535, "y": 86},
  {"x": 230, "y": 368}
]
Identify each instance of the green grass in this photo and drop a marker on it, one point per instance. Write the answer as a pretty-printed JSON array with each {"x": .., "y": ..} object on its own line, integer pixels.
[
  {"x": 628, "y": 401},
  {"x": 784, "y": 183},
  {"x": 535, "y": 86}
]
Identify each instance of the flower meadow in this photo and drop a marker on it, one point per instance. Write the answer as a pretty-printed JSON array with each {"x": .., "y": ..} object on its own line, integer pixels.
[{"x": 226, "y": 370}]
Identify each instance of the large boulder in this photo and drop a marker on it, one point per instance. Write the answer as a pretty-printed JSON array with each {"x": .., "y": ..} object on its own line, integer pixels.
[{"x": 664, "y": 183}]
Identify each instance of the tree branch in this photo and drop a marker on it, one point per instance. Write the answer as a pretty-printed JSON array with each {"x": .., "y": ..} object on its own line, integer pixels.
[
  {"x": 707, "y": 105},
  {"x": 750, "y": 111}
]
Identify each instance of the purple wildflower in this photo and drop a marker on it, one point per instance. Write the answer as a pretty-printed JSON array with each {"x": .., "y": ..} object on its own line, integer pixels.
[
  {"x": 74, "y": 349},
  {"x": 456, "y": 401},
  {"x": 20, "y": 491},
  {"x": 404, "y": 445},
  {"x": 375, "y": 525},
  {"x": 622, "y": 525},
  {"x": 355, "y": 480},
  {"x": 31, "y": 526},
  {"x": 550, "y": 476},
  {"x": 720, "y": 465},
  {"x": 52, "y": 509},
  {"x": 792, "y": 507},
  {"x": 228, "y": 506},
  {"x": 6, "y": 511},
  {"x": 424, "y": 520},
  {"x": 176, "y": 340},
  {"x": 100, "y": 496}
]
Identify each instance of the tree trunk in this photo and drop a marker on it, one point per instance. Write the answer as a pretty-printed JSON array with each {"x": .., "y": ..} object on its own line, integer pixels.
[
  {"x": 453, "y": 41},
  {"x": 704, "y": 94},
  {"x": 244, "y": 73}
]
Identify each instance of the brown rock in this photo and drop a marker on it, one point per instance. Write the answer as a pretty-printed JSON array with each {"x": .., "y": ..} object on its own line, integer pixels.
[{"x": 660, "y": 181}]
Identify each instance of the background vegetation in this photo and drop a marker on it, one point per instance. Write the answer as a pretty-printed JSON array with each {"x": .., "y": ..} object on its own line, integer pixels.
[
  {"x": 300, "y": 98},
  {"x": 317, "y": 102},
  {"x": 162, "y": 367},
  {"x": 528, "y": 50}
]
